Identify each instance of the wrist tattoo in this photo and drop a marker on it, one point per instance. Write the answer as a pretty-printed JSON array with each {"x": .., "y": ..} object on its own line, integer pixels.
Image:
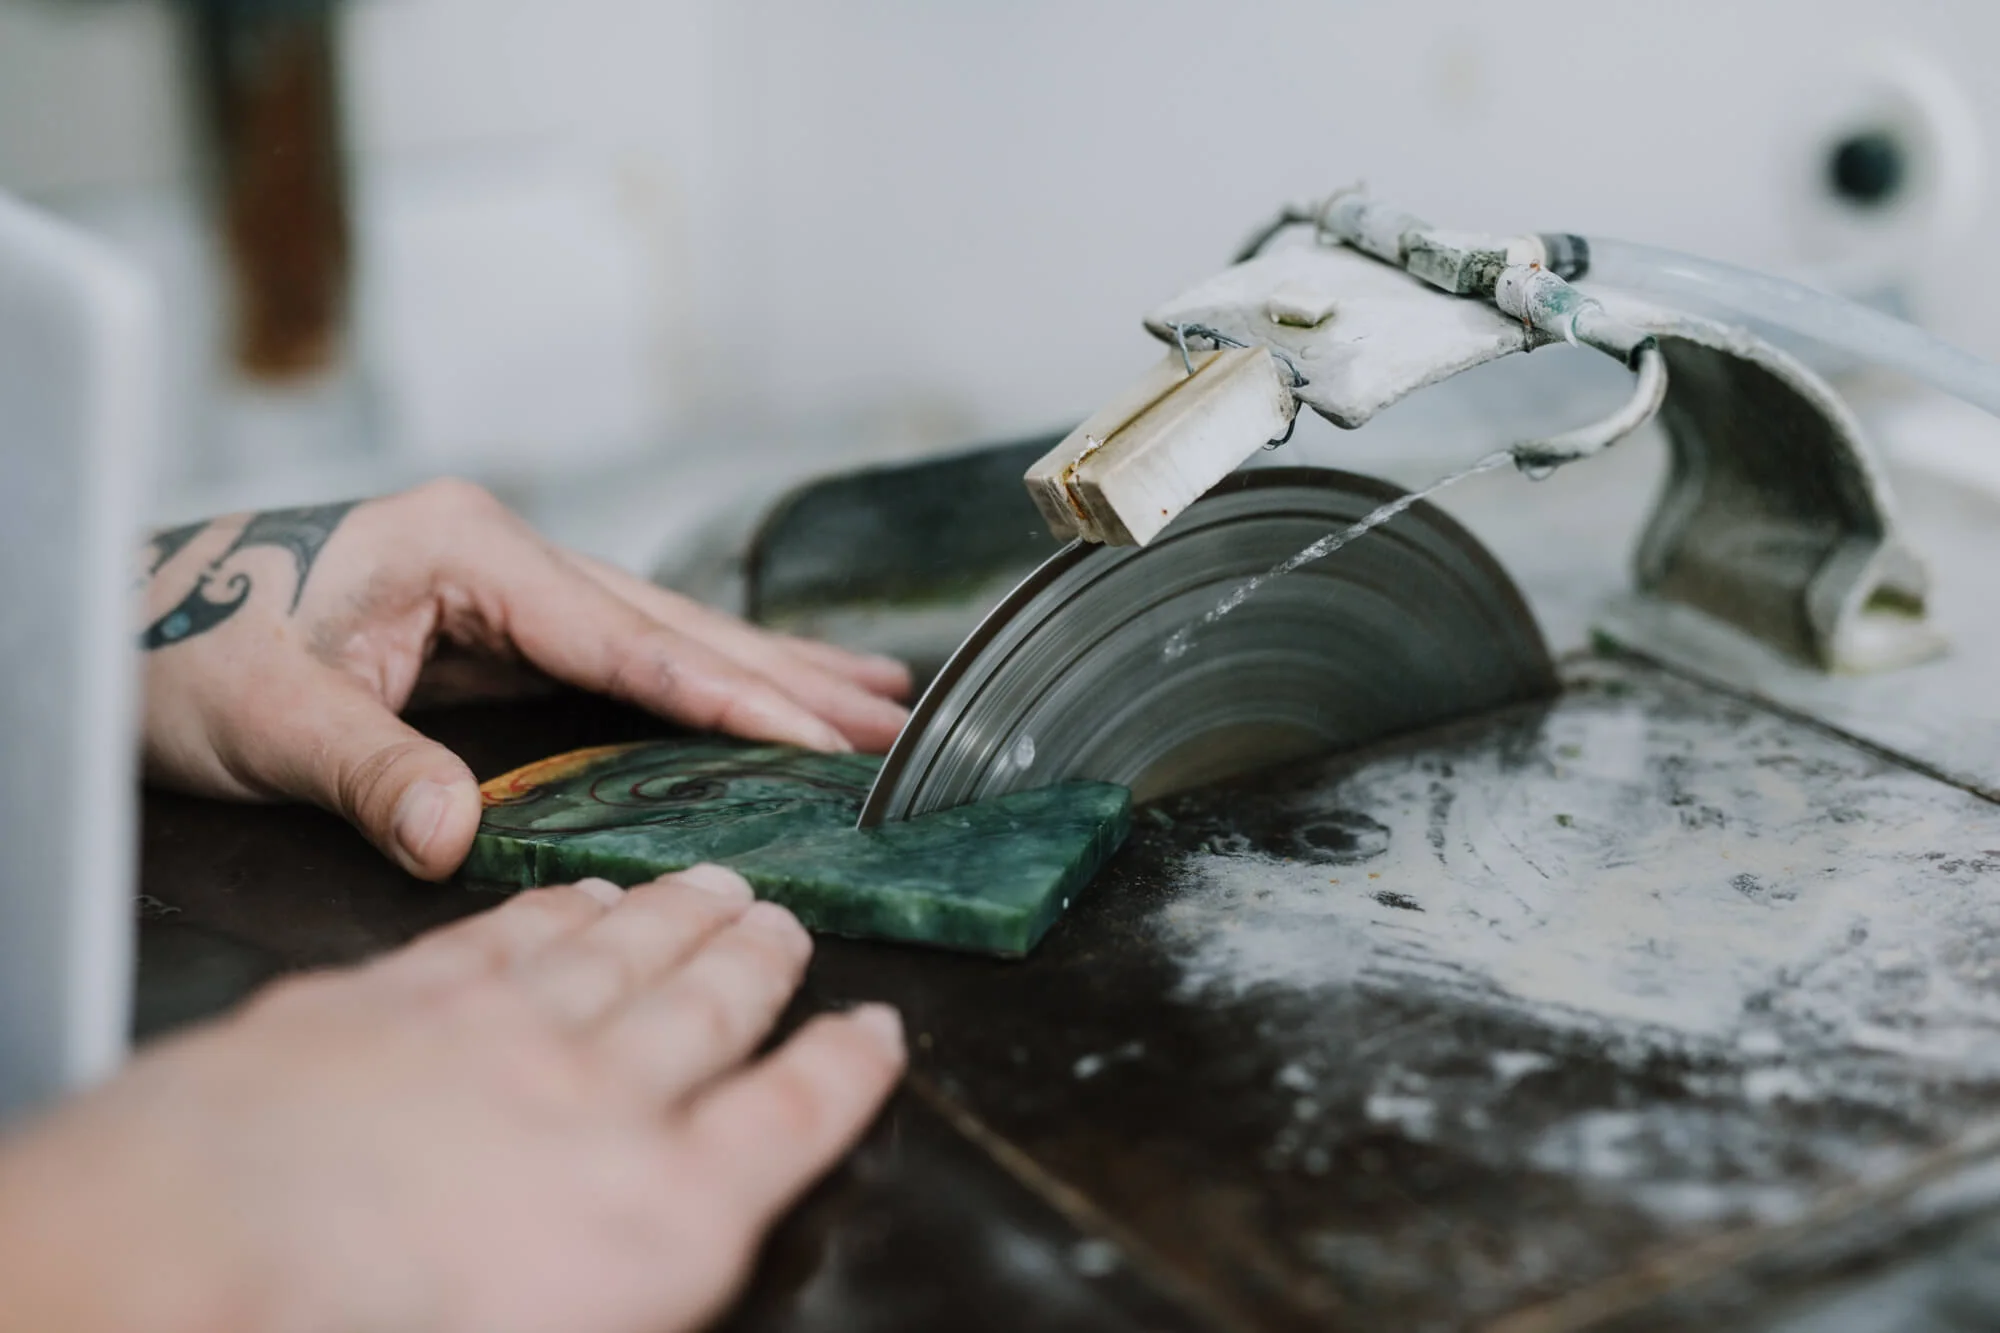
[
  {"x": 167, "y": 543},
  {"x": 215, "y": 597}
]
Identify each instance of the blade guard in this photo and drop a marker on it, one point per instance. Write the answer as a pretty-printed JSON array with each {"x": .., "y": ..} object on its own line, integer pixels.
[{"x": 1777, "y": 519}]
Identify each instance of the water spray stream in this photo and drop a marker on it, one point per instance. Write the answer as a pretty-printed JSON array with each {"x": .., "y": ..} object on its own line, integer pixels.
[{"x": 1182, "y": 639}]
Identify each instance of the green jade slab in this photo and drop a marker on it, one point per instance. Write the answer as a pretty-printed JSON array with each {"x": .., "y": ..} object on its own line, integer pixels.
[{"x": 985, "y": 878}]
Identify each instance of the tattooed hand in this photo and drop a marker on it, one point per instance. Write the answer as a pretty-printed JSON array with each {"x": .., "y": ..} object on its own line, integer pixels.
[{"x": 280, "y": 648}]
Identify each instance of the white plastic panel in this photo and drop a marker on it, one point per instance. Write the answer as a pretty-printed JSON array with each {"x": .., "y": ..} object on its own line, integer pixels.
[{"x": 77, "y": 388}]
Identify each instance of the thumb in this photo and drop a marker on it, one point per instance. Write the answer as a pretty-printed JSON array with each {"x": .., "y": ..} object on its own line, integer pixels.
[
  {"x": 425, "y": 807},
  {"x": 408, "y": 795}
]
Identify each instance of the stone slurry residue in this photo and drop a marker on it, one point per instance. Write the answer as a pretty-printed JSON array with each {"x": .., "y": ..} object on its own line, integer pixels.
[{"x": 1802, "y": 939}]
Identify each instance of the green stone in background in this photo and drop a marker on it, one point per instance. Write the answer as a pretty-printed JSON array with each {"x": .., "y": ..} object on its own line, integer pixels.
[{"x": 990, "y": 878}]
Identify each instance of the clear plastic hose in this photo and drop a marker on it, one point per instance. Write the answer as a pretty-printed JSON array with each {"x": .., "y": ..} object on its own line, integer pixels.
[{"x": 1867, "y": 334}]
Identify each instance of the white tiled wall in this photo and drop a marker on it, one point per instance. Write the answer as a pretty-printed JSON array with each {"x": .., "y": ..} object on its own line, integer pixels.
[{"x": 595, "y": 229}]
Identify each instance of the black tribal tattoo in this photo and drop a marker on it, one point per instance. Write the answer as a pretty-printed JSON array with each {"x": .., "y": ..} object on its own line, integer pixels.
[
  {"x": 303, "y": 532},
  {"x": 167, "y": 544}
]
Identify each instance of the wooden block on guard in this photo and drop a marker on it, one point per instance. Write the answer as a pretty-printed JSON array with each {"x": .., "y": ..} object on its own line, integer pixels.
[
  {"x": 1050, "y": 479},
  {"x": 1158, "y": 447}
]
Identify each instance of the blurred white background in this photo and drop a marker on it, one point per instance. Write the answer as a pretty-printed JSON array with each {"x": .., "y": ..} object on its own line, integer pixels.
[{"x": 614, "y": 256}]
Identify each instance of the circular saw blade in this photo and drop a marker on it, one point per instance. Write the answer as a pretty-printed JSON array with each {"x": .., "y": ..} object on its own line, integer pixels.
[{"x": 1071, "y": 676}]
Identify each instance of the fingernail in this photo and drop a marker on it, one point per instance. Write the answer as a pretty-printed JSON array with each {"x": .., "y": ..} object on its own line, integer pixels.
[
  {"x": 601, "y": 889},
  {"x": 825, "y": 739},
  {"x": 718, "y": 880},
  {"x": 776, "y": 923},
  {"x": 882, "y": 1023},
  {"x": 772, "y": 916},
  {"x": 803, "y": 729},
  {"x": 418, "y": 816},
  {"x": 888, "y": 710}
]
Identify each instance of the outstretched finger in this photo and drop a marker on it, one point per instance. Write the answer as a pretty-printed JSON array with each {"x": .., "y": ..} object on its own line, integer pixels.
[
  {"x": 881, "y": 675},
  {"x": 592, "y": 973},
  {"x": 780, "y": 1124},
  {"x": 711, "y": 1014},
  {"x": 855, "y": 693},
  {"x": 884, "y": 676},
  {"x": 570, "y": 626},
  {"x": 502, "y": 938}
]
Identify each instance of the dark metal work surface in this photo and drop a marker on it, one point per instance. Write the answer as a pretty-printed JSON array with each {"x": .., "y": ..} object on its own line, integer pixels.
[
  {"x": 1643, "y": 1009},
  {"x": 921, "y": 1230}
]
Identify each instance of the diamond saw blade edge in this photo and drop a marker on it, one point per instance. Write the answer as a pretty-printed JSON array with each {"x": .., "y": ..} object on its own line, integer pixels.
[{"x": 1072, "y": 674}]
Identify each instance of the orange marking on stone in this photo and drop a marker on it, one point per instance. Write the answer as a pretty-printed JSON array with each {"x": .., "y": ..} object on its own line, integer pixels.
[{"x": 520, "y": 784}]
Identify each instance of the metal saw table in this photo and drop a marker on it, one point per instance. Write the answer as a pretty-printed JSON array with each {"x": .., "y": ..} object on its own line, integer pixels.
[{"x": 1650, "y": 1007}]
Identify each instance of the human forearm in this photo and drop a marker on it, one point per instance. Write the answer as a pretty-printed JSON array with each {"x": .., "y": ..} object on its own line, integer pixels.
[
  {"x": 550, "y": 1115},
  {"x": 90, "y": 1240}
]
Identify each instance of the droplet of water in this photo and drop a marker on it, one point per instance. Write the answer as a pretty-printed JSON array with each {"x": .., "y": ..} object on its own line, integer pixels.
[
  {"x": 1094, "y": 1258},
  {"x": 1024, "y": 753},
  {"x": 1538, "y": 471}
]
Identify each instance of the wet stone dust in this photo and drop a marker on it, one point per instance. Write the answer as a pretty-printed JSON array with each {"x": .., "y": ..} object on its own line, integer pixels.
[
  {"x": 1697, "y": 960},
  {"x": 1435, "y": 1031}
]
